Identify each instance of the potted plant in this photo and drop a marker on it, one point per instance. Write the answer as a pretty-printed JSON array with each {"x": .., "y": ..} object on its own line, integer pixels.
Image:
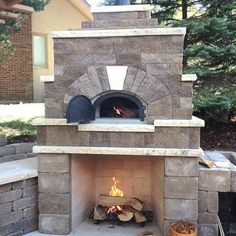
[{"x": 183, "y": 228}]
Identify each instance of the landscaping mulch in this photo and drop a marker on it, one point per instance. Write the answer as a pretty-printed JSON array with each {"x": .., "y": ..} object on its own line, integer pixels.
[{"x": 218, "y": 136}]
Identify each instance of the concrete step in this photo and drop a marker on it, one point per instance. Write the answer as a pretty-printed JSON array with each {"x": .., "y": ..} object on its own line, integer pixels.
[{"x": 111, "y": 24}]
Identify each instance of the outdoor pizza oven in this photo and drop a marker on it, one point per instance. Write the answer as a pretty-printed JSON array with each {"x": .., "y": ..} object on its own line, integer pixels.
[{"x": 118, "y": 116}]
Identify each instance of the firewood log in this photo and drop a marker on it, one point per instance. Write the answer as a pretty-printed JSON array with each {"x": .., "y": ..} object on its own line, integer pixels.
[
  {"x": 135, "y": 203},
  {"x": 99, "y": 213},
  {"x": 125, "y": 216},
  {"x": 139, "y": 217}
]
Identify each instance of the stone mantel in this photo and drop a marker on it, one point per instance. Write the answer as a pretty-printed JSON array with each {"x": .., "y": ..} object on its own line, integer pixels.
[
  {"x": 119, "y": 32},
  {"x": 155, "y": 152},
  {"x": 93, "y": 127}
]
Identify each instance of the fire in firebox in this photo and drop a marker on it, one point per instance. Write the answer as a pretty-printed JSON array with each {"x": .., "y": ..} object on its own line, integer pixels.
[{"x": 117, "y": 207}]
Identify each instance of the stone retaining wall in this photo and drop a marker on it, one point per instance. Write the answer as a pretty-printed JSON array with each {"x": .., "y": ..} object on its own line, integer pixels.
[
  {"x": 19, "y": 207},
  {"x": 16, "y": 151},
  {"x": 211, "y": 182}
]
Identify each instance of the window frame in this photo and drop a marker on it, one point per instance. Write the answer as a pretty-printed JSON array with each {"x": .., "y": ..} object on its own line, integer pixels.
[{"x": 45, "y": 36}]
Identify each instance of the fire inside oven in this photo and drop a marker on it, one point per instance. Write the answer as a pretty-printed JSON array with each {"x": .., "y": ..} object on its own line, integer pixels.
[{"x": 118, "y": 107}]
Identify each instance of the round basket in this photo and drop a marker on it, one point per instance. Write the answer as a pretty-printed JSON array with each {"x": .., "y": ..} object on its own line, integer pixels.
[{"x": 173, "y": 232}]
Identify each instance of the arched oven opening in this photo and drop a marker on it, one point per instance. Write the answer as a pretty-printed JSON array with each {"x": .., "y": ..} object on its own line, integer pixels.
[
  {"x": 119, "y": 105},
  {"x": 114, "y": 105}
]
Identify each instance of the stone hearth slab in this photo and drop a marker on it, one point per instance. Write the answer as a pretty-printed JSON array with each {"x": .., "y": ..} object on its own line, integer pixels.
[
  {"x": 87, "y": 228},
  {"x": 163, "y": 152}
]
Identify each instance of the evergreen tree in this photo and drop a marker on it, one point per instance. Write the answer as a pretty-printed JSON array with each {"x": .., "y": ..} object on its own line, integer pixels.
[
  {"x": 6, "y": 46},
  {"x": 210, "y": 43}
]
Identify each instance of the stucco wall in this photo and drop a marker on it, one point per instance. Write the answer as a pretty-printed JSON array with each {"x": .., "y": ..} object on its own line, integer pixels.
[{"x": 57, "y": 15}]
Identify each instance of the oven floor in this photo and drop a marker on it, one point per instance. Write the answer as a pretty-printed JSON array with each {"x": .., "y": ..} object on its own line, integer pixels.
[{"x": 88, "y": 228}]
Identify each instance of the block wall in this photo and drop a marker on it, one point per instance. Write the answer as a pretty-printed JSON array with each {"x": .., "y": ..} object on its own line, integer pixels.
[{"x": 19, "y": 207}]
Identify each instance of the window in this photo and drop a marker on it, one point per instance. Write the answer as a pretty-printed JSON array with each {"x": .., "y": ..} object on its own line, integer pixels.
[{"x": 40, "y": 50}]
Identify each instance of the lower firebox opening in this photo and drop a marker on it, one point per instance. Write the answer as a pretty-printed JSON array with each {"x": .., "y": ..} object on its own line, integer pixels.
[{"x": 92, "y": 177}]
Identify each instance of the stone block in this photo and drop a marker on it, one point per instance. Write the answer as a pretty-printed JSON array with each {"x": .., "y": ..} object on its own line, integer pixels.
[
  {"x": 54, "y": 224},
  {"x": 174, "y": 58},
  {"x": 213, "y": 202},
  {"x": 104, "y": 59},
  {"x": 23, "y": 147},
  {"x": 233, "y": 181},
  {"x": 100, "y": 139},
  {"x": 128, "y": 58},
  {"x": 6, "y": 229},
  {"x": 157, "y": 69},
  {"x": 5, "y": 188},
  {"x": 181, "y": 209},
  {"x": 194, "y": 137},
  {"x": 158, "y": 58},
  {"x": 75, "y": 46},
  {"x": 208, "y": 230},
  {"x": 54, "y": 203},
  {"x": 182, "y": 113},
  {"x": 24, "y": 203},
  {"x": 59, "y": 48},
  {"x": 25, "y": 183},
  {"x": 10, "y": 196},
  {"x": 5, "y": 208},
  {"x": 26, "y": 224},
  {"x": 31, "y": 212},
  {"x": 186, "y": 102},
  {"x": 202, "y": 201},
  {"x": 3, "y": 141},
  {"x": 16, "y": 234},
  {"x": 10, "y": 218},
  {"x": 214, "y": 180},
  {"x": 54, "y": 183},
  {"x": 127, "y": 45},
  {"x": 7, "y": 150},
  {"x": 14, "y": 157},
  {"x": 115, "y": 16},
  {"x": 54, "y": 163},
  {"x": 129, "y": 79},
  {"x": 181, "y": 166},
  {"x": 30, "y": 191},
  {"x": 207, "y": 218},
  {"x": 181, "y": 187}
]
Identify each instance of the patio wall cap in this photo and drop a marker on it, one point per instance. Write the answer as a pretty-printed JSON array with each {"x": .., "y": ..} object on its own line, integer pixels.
[
  {"x": 119, "y": 32},
  {"x": 18, "y": 170},
  {"x": 189, "y": 77},
  {"x": 122, "y": 8}
]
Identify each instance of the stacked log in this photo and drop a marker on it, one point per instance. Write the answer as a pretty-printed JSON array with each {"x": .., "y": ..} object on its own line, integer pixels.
[{"x": 124, "y": 208}]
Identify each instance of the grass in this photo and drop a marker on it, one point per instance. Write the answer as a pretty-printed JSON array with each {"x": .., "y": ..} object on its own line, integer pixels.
[{"x": 16, "y": 128}]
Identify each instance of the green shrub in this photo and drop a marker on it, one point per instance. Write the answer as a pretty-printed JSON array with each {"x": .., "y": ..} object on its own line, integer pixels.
[
  {"x": 214, "y": 106},
  {"x": 17, "y": 128}
]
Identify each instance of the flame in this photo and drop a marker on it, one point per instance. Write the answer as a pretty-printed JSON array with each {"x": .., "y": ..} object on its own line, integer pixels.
[
  {"x": 117, "y": 111},
  {"x": 115, "y": 192}
]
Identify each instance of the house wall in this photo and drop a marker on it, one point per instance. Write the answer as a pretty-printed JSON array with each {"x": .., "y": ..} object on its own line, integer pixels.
[
  {"x": 16, "y": 82},
  {"x": 58, "y": 15}
]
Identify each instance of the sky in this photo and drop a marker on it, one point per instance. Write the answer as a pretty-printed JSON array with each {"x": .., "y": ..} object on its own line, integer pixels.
[{"x": 93, "y": 3}]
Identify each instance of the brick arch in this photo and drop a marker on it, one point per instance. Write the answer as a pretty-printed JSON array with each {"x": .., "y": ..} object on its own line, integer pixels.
[{"x": 137, "y": 82}]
